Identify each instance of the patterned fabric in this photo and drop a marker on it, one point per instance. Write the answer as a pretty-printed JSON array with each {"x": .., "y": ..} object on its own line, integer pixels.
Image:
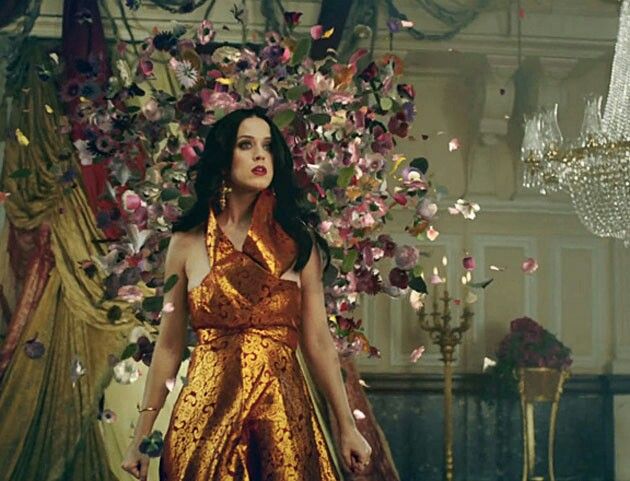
[{"x": 246, "y": 413}]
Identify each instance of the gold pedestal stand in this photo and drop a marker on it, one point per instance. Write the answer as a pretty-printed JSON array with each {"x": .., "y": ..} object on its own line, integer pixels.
[
  {"x": 447, "y": 337},
  {"x": 537, "y": 385}
]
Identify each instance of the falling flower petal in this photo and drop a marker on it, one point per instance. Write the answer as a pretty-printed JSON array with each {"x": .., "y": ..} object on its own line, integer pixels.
[
  {"x": 432, "y": 233},
  {"x": 328, "y": 33},
  {"x": 358, "y": 414},
  {"x": 77, "y": 370},
  {"x": 471, "y": 297},
  {"x": 4, "y": 196},
  {"x": 469, "y": 263},
  {"x": 21, "y": 138},
  {"x": 467, "y": 209},
  {"x": 497, "y": 268},
  {"x": 416, "y": 354},
  {"x": 416, "y": 299},
  {"x": 363, "y": 383},
  {"x": 488, "y": 363},
  {"x": 436, "y": 279},
  {"x": 48, "y": 108},
  {"x": 108, "y": 416},
  {"x": 529, "y": 265},
  {"x": 453, "y": 145},
  {"x": 406, "y": 23},
  {"x": 168, "y": 307},
  {"x": 482, "y": 284},
  {"x": 170, "y": 384},
  {"x": 316, "y": 32}
]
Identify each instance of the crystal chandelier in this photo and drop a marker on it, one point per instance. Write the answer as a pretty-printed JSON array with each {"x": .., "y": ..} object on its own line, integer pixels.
[{"x": 595, "y": 168}]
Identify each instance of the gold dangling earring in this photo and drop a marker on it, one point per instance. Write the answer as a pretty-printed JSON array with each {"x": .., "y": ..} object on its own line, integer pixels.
[{"x": 224, "y": 191}]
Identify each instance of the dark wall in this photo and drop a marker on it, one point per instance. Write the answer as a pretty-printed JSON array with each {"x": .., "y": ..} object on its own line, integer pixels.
[{"x": 487, "y": 428}]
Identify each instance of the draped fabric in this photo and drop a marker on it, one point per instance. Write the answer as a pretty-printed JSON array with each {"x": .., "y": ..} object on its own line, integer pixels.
[{"x": 48, "y": 416}]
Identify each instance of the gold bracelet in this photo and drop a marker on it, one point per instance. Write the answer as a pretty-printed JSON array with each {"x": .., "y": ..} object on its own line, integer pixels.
[{"x": 146, "y": 409}]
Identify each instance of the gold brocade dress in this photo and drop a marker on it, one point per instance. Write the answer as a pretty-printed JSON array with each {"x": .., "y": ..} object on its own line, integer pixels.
[{"x": 246, "y": 413}]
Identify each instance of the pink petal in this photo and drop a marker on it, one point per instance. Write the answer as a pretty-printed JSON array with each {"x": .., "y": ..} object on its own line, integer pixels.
[
  {"x": 416, "y": 354},
  {"x": 453, "y": 144},
  {"x": 529, "y": 265},
  {"x": 358, "y": 414},
  {"x": 432, "y": 234},
  {"x": 469, "y": 263},
  {"x": 358, "y": 55},
  {"x": 316, "y": 32},
  {"x": 170, "y": 384},
  {"x": 435, "y": 279},
  {"x": 168, "y": 307}
]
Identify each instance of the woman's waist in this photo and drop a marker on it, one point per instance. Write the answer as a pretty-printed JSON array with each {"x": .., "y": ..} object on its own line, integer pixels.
[{"x": 285, "y": 334}]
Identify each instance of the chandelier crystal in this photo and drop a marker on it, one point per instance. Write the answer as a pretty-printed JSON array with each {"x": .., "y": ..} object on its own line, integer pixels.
[{"x": 594, "y": 168}]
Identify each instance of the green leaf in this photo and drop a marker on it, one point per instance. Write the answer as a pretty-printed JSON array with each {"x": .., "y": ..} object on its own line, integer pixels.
[
  {"x": 421, "y": 164},
  {"x": 129, "y": 351},
  {"x": 20, "y": 173},
  {"x": 294, "y": 93},
  {"x": 417, "y": 271},
  {"x": 169, "y": 194},
  {"x": 418, "y": 284},
  {"x": 284, "y": 118},
  {"x": 170, "y": 283},
  {"x": 319, "y": 119},
  {"x": 301, "y": 51},
  {"x": 153, "y": 303},
  {"x": 386, "y": 103},
  {"x": 348, "y": 261},
  {"x": 345, "y": 175},
  {"x": 164, "y": 242},
  {"x": 186, "y": 202}
]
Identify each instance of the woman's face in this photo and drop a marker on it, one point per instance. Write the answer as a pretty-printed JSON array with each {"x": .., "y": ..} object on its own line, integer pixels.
[{"x": 252, "y": 161}]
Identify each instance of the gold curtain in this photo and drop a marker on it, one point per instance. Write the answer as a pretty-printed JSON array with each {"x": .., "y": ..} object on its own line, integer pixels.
[{"x": 48, "y": 426}]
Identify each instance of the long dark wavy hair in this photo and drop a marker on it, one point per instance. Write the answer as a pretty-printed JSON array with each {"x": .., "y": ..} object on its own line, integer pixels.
[{"x": 292, "y": 210}]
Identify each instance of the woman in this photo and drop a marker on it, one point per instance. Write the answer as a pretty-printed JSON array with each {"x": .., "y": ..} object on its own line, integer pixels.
[{"x": 250, "y": 277}]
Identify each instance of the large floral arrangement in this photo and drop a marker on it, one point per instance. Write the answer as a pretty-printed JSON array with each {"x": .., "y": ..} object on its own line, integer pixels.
[
  {"x": 528, "y": 344},
  {"x": 341, "y": 119}
]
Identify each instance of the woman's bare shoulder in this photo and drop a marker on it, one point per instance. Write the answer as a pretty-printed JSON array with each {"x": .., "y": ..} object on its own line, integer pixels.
[{"x": 181, "y": 242}]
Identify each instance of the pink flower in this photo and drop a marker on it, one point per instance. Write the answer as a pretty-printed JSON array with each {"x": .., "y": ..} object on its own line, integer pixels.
[
  {"x": 416, "y": 354},
  {"x": 189, "y": 153},
  {"x": 426, "y": 209},
  {"x": 406, "y": 257},
  {"x": 399, "y": 278},
  {"x": 205, "y": 32},
  {"x": 152, "y": 111},
  {"x": 131, "y": 201},
  {"x": 146, "y": 67},
  {"x": 432, "y": 233},
  {"x": 130, "y": 294},
  {"x": 529, "y": 265},
  {"x": 316, "y": 32},
  {"x": 469, "y": 263}
]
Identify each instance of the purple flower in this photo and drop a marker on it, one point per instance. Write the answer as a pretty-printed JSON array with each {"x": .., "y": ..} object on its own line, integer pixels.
[
  {"x": 406, "y": 257},
  {"x": 399, "y": 278},
  {"x": 394, "y": 25},
  {"x": 292, "y": 18},
  {"x": 370, "y": 72},
  {"x": 398, "y": 125}
]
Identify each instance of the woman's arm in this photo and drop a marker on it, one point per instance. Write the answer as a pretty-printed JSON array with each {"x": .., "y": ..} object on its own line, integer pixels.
[
  {"x": 167, "y": 355},
  {"x": 322, "y": 357}
]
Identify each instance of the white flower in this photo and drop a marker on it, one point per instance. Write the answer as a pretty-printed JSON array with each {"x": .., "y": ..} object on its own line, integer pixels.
[
  {"x": 186, "y": 73},
  {"x": 85, "y": 156},
  {"x": 467, "y": 209},
  {"x": 126, "y": 372}
]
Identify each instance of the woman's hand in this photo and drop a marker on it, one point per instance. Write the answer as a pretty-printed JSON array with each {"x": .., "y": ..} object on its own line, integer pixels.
[
  {"x": 355, "y": 450},
  {"x": 136, "y": 463}
]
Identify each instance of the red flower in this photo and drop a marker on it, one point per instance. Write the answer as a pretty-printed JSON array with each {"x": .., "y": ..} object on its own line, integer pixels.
[{"x": 292, "y": 18}]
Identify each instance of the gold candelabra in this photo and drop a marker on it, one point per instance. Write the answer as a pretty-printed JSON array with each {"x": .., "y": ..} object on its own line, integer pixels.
[{"x": 447, "y": 337}]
